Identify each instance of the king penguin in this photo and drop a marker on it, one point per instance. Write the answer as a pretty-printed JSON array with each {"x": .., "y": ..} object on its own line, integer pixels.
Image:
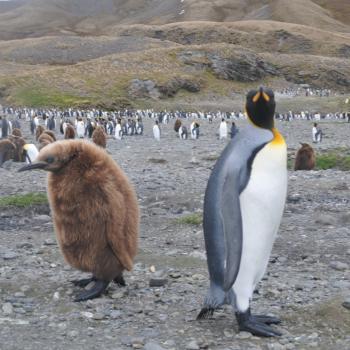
[{"x": 243, "y": 207}]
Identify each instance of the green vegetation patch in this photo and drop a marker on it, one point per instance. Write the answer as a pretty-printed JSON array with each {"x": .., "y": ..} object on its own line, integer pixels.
[
  {"x": 333, "y": 160},
  {"x": 24, "y": 200},
  {"x": 37, "y": 97},
  {"x": 194, "y": 219}
]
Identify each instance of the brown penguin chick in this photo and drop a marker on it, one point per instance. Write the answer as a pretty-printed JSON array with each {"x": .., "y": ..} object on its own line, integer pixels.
[
  {"x": 177, "y": 125},
  {"x": 51, "y": 134},
  {"x": 70, "y": 132},
  {"x": 7, "y": 151},
  {"x": 305, "y": 158},
  {"x": 17, "y": 132},
  {"x": 99, "y": 137},
  {"x": 95, "y": 211},
  {"x": 19, "y": 142},
  {"x": 39, "y": 130},
  {"x": 45, "y": 139}
]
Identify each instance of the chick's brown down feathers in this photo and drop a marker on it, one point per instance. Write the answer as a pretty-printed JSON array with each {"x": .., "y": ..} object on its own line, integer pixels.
[
  {"x": 305, "y": 158},
  {"x": 95, "y": 209},
  {"x": 99, "y": 137}
]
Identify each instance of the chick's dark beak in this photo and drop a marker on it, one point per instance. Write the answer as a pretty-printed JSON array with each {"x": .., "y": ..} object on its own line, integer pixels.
[{"x": 33, "y": 166}]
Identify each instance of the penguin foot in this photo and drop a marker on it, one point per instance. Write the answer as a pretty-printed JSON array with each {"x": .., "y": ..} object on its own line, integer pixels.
[
  {"x": 205, "y": 313},
  {"x": 256, "y": 325},
  {"x": 83, "y": 282},
  {"x": 119, "y": 280},
  {"x": 266, "y": 319},
  {"x": 98, "y": 288}
]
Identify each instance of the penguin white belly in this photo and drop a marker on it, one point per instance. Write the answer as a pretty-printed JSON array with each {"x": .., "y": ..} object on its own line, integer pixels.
[{"x": 262, "y": 203}]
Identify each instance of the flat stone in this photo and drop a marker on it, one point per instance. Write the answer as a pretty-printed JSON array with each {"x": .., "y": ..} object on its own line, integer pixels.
[
  {"x": 10, "y": 255},
  {"x": 158, "y": 282},
  {"x": 339, "y": 266},
  {"x": 7, "y": 308},
  {"x": 243, "y": 335},
  {"x": 346, "y": 303},
  {"x": 192, "y": 345},
  {"x": 152, "y": 346}
]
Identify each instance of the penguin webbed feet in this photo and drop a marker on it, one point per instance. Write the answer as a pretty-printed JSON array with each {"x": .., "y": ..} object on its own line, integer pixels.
[
  {"x": 120, "y": 281},
  {"x": 205, "y": 313},
  {"x": 98, "y": 288},
  {"x": 83, "y": 282},
  {"x": 257, "y": 325}
]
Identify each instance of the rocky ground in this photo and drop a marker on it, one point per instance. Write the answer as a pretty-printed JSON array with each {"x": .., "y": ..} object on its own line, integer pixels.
[{"x": 307, "y": 282}]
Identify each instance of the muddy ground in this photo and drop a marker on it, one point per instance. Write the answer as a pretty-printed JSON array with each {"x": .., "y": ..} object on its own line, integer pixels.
[{"x": 306, "y": 284}]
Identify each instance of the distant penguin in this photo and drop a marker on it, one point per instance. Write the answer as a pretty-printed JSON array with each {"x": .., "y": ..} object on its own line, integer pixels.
[
  {"x": 99, "y": 137},
  {"x": 177, "y": 125},
  {"x": 223, "y": 129},
  {"x": 183, "y": 134},
  {"x": 7, "y": 151},
  {"x": 39, "y": 130},
  {"x": 19, "y": 142},
  {"x": 44, "y": 140},
  {"x": 243, "y": 207},
  {"x": 118, "y": 133},
  {"x": 305, "y": 158},
  {"x": 156, "y": 131},
  {"x": 50, "y": 133},
  {"x": 69, "y": 132},
  {"x": 95, "y": 211},
  {"x": 30, "y": 153},
  {"x": 17, "y": 132}
]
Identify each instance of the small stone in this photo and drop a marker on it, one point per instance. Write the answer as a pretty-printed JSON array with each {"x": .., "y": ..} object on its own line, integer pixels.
[
  {"x": 152, "y": 269},
  {"x": 73, "y": 334},
  {"x": 175, "y": 275},
  {"x": 10, "y": 255},
  {"x": 346, "y": 304},
  {"x": 243, "y": 335},
  {"x": 115, "y": 314},
  {"x": 275, "y": 346},
  {"x": 19, "y": 295},
  {"x": 158, "y": 282},
  {"x": 228, "y": 333},
  {"x": 87, "y": 314},
  {"x": 299, "y": 287},
  {"x": 339, "y": 266},
  {"x": 152, "y": 346},
  {"x": 7, "y": 308},
  {"x": 49, "y": 241},
  {"x": 98, "y": 316},
  {"x": 56, "y": 296},
  {"x": 192, "y": 345},
  {"x": 43, "y": 218}
]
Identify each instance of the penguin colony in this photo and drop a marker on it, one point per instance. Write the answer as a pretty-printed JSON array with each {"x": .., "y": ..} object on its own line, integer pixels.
[
  {"x": 243, "y": 207},
  {"x": 95, "y": 211},
  {"x": 96, "y": 215},
  {"x": 305, "y": 158}
]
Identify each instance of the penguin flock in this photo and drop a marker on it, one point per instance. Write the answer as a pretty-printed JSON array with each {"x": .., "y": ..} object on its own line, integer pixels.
[{"x": 96, "y": 215}]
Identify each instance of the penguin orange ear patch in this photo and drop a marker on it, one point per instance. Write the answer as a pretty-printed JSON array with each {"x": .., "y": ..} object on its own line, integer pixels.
[
  {"x": 256, "y": 96},
  {"x": 266, "y": 97}
]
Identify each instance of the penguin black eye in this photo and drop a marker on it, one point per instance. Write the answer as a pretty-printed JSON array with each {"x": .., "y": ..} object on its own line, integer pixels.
[{"x": 50, "y": 160}]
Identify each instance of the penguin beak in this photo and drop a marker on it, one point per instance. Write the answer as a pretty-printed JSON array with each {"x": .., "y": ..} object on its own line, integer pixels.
[{"x": 33, "y": 166}]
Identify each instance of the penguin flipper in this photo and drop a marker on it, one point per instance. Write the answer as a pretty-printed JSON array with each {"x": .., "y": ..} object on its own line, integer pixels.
[{"x": 233, "y": 231}]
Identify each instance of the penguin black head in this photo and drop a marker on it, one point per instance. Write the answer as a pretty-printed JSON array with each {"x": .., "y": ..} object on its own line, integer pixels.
[{"x": 260, "y": 107}]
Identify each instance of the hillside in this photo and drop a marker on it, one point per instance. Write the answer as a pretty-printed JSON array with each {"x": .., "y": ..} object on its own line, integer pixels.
[
  {"x": 41, "y": 17},
  {"x": 167, "y": 52}
]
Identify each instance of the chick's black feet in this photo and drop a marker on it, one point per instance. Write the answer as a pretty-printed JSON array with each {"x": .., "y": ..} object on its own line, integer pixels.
[
  {"x": 83, "y": 282},
  {"x": 205, "y": 313},
  {"x": 257, "y": 325},
  {"x": 119, "y": 280},
  {"x": 98, "y": 288}
]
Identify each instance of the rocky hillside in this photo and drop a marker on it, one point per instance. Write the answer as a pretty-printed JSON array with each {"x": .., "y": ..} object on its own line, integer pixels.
[{"x": 170, "y": 53}]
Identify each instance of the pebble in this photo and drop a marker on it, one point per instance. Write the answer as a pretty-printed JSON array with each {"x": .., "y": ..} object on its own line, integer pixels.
[
  {"x": 346, "y": 303},
  {"x": 192, "y": 345},
  {"x": 43, "y": 218},
  {"x": 243, "y": 335},
  {"x": 152, "y": 346},
  {"x": 98, "y": 316},
  {"x": 339, "y": 266},
  {"x": 10, "y": 255},
  {"x": 7, "y": 309},
  {"x": 56, "y": 296},
  {"x": 158, "y": 282}
]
